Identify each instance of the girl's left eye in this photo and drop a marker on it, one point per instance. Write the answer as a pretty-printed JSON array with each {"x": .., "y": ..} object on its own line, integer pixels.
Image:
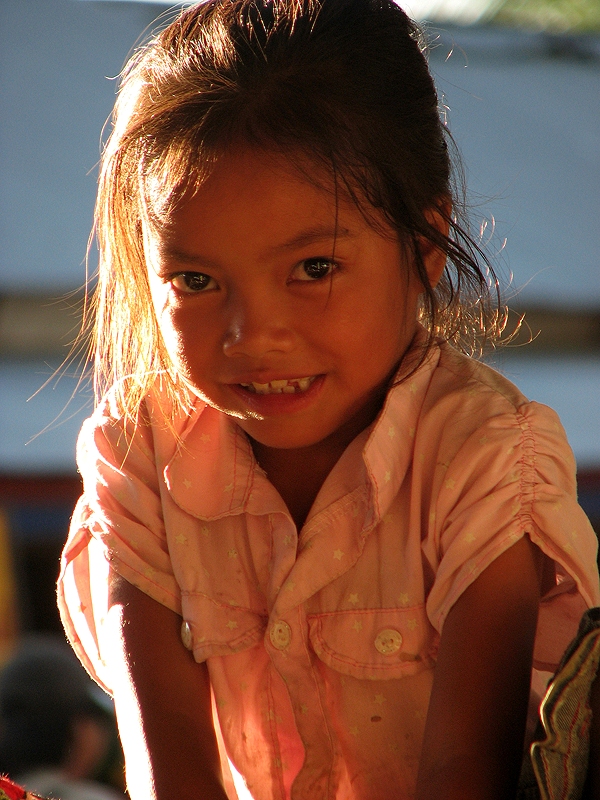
[
  {"x": 313, "y": 269},
  {"x": 192, "y": 282}
]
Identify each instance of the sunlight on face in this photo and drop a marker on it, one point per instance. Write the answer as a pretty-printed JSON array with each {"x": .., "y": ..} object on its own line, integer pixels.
[{"x": 279, "y": 303}]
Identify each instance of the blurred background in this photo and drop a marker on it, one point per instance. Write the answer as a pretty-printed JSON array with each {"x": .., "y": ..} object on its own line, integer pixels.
[{"x": 521, "y": 83}]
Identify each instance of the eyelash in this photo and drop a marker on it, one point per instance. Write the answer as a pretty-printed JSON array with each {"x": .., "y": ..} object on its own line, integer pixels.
[
  {"x": 188, "y": 281},
  {"x": 330, "y": 265},
  {"x": 189, "y": 277}
]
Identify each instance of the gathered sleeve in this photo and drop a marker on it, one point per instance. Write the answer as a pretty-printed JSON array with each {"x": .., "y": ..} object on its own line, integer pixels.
[
  {"x": 513, "y": 477},
  {"x": 117, "y": 524}
]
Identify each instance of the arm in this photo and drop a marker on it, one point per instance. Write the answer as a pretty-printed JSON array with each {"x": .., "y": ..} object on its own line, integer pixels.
[
  {"x": 162, "y": 699},
  {"x": 473, "y": 742}
]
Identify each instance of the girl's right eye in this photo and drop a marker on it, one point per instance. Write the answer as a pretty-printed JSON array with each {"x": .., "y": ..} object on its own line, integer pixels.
[{"x": 192, "y": 282}]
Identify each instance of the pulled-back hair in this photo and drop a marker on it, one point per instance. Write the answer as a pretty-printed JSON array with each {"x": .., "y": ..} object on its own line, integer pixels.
[{"x": 341, "y": 84}]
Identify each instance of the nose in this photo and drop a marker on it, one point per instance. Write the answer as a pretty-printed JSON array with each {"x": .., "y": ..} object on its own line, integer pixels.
[{"x": 258, "y": 324}]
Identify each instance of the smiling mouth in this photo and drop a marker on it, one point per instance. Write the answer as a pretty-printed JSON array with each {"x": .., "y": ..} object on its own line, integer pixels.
[{"x": 293, "y": 386}]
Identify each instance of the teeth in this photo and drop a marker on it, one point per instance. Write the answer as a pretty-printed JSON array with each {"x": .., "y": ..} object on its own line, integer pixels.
[{"x": 296, "y": 385}]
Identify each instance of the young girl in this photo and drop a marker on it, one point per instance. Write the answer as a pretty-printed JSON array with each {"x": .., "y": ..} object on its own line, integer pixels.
[{"x": 316, "y": 541}]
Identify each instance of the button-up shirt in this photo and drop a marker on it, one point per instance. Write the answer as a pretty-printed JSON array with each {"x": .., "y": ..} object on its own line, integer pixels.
[{"x": 321, "y": 642}]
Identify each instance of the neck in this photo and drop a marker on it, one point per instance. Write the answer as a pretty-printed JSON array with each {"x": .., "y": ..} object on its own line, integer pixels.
[{"x": 299, "y": 473}]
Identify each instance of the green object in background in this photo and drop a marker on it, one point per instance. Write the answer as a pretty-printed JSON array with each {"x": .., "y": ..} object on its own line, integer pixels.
[{"x": 554, "y": 16}]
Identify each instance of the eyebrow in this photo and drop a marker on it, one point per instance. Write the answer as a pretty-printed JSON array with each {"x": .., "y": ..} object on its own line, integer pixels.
[
  {"x": 319, "y": 233},
  {"x": 315, "y": 235}
]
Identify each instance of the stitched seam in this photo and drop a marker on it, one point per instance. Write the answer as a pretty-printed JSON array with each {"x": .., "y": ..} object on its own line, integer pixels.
[
  {"x": 278, "y": 770},
  {"x": 234, "y": 469},
  {"x": 527, "y": 462},
  {"x": 224, "y": 606},
  {"x": 352, "y": 611},
  {"x": 304, "y": 630},
  {"x": 141, "y": 574}
]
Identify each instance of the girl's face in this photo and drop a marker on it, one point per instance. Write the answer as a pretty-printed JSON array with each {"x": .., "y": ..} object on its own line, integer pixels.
[{"x": 281, "y": 306}]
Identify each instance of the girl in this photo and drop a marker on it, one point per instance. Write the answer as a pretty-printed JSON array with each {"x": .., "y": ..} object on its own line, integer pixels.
[{"x": 314, "y": 535}]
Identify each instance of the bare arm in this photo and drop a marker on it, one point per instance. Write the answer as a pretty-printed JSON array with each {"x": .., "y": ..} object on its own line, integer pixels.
[
  {"x": 162, "y": 699},
  {"x": 473, "y": 742}
]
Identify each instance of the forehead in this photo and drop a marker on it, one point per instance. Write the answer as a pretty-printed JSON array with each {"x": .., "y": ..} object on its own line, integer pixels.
[{"x": 249, "y": 192}]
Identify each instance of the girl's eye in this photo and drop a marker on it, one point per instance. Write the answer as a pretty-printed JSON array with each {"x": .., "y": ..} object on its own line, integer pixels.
[
  {"x": 191, "y": 282},
  {"x": 313, "y": 269}
]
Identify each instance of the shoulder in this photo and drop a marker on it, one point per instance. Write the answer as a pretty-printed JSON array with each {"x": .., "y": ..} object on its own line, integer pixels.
[
  {"x": 464, "y": 395},
  {"x": 475, "y": 418},
  {"x": 466, "y": 379}
]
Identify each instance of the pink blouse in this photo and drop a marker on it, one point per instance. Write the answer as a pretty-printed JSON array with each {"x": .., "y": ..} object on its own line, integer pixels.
[{"x": 321, "y": 643}]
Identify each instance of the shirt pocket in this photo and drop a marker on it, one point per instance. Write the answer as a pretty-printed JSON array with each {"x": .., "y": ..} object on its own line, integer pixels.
[
  {"x": 375, "y": 644},
  {"x": 210, "y": 628}
]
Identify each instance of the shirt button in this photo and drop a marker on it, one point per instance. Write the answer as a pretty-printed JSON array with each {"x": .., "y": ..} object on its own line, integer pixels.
[
  {"x": 186, "y": 635},
  {"x": 388, "y": 641},
  {"x": 280, "y": 635}
]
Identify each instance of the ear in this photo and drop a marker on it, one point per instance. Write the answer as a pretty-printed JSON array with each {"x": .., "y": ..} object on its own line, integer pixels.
[{"x": 434, "y": 258}]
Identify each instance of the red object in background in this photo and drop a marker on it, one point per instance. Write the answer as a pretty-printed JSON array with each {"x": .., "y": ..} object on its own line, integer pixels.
[{"x": 10, "y": 791}]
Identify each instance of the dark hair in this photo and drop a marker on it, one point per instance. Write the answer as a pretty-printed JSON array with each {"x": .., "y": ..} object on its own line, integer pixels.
[
  {"x": 340, "y": 83},
  {"x": 43, "y": 690}
]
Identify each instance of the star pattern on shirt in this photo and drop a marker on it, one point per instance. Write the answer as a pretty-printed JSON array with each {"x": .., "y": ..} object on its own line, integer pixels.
[
  {"x": 403, "y": 599},
  {"x": 187, "y": 483},
  {"x": 469, "y": 537},
  {"x": 450, "y": 483},
  {"x": 388, "y": 476},
  {"x": 391, "y": 431},
  {"x": 338, "y": 554},
  {"x": 232, "y": 624},
  {"x": 353, "y": 598},
  {"x": 357, "y": 625},
  {"x": 204, "y": 530},
  {"x": 205, "y": 437},
  {"x": 181, "y": 539},
  {"x": 411, "y": 624},
  {"x": 354, "y": 730},
  {"x": 233, "y": 553},
  {"x": 379, "y": 699}
]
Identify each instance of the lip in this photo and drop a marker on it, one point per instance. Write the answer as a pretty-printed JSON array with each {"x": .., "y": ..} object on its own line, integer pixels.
[{"x": 273, "y": 404}]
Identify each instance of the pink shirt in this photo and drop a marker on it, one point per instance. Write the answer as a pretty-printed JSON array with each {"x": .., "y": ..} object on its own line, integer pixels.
[{"x": 321, "y": 643}]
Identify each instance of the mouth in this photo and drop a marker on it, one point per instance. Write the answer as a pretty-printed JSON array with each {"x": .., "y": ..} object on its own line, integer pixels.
[{"x": 282, "y": 386}]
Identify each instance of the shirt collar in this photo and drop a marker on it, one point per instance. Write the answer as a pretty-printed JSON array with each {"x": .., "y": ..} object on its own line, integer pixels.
[
  {"x": 212, "y": 472},
  {"x": 389, "y": 450}
]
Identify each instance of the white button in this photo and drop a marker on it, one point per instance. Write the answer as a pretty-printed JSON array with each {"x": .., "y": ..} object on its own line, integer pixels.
[
  {"x": 388, "y": 641},
  {"x": 186, "y": 635},
  {"x": 280, "y": 634}
]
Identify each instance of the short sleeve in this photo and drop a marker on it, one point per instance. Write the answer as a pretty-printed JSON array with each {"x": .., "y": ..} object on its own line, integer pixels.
[
  {"x": 515, "y": 476},
  {"x": 117, "y": 522}
]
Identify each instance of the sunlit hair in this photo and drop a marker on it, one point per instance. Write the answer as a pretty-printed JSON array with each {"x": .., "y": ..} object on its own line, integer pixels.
[{"x": 339, "y": 84}]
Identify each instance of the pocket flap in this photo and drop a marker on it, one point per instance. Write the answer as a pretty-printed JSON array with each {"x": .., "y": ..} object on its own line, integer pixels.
[{"x": 375, "y": 644}]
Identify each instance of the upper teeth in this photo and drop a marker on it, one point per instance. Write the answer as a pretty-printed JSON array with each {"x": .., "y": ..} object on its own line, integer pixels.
[{"x": 280, "y": 386}]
